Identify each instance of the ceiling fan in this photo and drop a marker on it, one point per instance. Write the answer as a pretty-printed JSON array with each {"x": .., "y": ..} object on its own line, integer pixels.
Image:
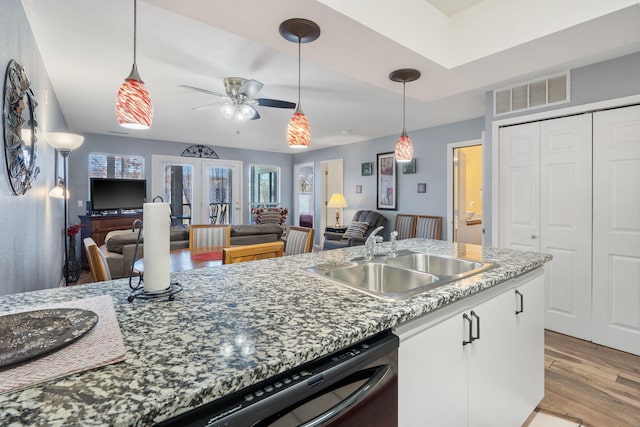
[{"x": 240, "y": 99}]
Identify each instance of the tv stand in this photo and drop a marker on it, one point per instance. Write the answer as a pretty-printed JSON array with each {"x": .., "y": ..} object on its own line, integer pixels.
[{"x": 97, "y": 227}]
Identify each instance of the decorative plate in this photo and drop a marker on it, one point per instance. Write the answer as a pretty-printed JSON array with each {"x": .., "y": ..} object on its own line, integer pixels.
[{"x": 24, "y": 336}]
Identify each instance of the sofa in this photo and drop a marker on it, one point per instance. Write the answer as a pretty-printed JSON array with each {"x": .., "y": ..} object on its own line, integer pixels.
[{"x": 119, "y": 245}]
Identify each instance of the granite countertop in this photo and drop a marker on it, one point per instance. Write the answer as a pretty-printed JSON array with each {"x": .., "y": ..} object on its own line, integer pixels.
[{"x": 230, "y": 327}]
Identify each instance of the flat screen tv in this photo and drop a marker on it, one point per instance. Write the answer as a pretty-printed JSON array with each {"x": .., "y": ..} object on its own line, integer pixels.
[{"x": 109, "y": 194}]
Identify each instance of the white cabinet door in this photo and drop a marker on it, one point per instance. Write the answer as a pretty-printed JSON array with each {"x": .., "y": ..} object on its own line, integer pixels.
[
  {"x": 527, "y": 361},
  {"x": 490, "y": 389},
  {"x": 520, "y": 187},
  {"x": 432, "y": 377},
  {"x": 565, "y": 222},
  {"x": 616, "y": 240}
]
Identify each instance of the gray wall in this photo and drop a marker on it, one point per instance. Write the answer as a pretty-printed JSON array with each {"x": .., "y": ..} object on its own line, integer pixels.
[
  {"x": 31, "y": 248},
  {"x": 79, "y": 165},
  {"x": 430, "y": 153},
  {"x": 602, "y": 81}
]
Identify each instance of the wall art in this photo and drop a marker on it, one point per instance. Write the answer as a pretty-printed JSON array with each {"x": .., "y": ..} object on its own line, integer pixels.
[
  {"x": 387, "y": 194},
  {"x": 367, "y": 169},
  {"x": 20, "y": 129}
]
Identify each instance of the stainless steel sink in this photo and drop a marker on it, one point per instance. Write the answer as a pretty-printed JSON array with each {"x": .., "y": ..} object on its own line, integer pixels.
[
  {"x": 396, "y": 278},
  {"x": 438, "y": 265},
  {"x": 379, "y": 279}
]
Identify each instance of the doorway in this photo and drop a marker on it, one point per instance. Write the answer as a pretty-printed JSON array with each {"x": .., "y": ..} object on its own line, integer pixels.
[
  {"x": 464, "y": 205},
  {"x": 331, "y": 177}
]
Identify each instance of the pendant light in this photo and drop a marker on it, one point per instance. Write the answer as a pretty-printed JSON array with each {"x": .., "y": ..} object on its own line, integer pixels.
[
  {"x": 299, "y": 30},
  {"x": 133, "y": 103},
  {"x": 404, "y": 146}
]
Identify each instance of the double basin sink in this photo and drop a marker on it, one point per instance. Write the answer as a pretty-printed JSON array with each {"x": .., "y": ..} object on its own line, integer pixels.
[{"x": 395, "y": 278}]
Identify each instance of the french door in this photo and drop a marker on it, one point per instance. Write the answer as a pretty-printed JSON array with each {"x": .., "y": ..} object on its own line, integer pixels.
[{"x": 199, "y": 191}]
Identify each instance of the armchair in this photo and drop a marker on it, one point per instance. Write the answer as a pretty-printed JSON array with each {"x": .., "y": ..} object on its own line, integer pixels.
[{"x": 339, "y": 240}]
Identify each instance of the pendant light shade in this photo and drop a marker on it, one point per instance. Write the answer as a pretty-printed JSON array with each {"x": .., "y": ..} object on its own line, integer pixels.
[
  {"x": 133, "y": 103},
  {"x": 299, "y": 31},
  {"x": 298, "y": 131},
  {"x": 404, "y": 146}
]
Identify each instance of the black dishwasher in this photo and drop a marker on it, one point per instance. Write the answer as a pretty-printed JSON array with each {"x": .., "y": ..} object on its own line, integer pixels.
[{"x": 357, "y": 386}]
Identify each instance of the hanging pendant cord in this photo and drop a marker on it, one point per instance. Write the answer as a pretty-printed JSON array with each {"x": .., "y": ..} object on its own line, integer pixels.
[
  {"x": 299, "y": 70},
  {"x": 135, "y": 20},
  {"x": 404, "y": 102}
]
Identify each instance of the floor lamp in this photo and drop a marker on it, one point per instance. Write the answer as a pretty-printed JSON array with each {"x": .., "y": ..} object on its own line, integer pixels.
[{"x": 64, "y": 143}]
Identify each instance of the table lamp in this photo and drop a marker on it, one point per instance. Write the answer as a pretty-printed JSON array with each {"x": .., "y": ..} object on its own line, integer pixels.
[{"x": 337, "y": 201}]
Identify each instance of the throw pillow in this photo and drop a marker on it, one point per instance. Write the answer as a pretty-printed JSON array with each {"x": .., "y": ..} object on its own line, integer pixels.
[
  {"x": 270, "y": 218},
  {"x": 356, "y": 229}
]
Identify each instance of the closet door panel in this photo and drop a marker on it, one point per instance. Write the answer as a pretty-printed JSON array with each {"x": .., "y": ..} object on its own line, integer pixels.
[
  {"x": 565, "y": 222},
  {"x": 520, "y": 187},
  {"x": 616, "y": 217}
]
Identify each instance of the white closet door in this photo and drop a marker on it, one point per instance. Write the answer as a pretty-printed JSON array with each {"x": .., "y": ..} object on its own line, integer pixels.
[
  {"x": 520, "y": 187},
  {"x": 616, "y": 218},
  {"x": 565, "y": 222}
]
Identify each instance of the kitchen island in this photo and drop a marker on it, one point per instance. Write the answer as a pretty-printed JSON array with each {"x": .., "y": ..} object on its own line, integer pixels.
[{"x": 231, "y": 326}]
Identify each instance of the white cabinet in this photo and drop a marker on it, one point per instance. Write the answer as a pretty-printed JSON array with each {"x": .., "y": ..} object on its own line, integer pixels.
[{"x": 495, "y": 379}]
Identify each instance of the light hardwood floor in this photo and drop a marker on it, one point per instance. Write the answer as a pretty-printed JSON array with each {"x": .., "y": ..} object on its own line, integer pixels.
[{"x": 592, "y": 384}]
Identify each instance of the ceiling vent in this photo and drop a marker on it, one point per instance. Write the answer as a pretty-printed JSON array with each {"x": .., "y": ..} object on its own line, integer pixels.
[{"x": 534, "y": 94}]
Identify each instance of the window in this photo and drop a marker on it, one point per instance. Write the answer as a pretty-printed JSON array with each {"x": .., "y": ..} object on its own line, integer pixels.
[
  {"x": 102, "y": 165},
  {"x": 265, "y": 186}
]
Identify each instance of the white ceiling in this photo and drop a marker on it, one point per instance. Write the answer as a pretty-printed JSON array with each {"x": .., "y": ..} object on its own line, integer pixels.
[{"x": 462, "y": 47}]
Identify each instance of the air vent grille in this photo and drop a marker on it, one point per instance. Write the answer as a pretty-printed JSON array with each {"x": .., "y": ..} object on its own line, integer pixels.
[{"x": 534, "y": 94}]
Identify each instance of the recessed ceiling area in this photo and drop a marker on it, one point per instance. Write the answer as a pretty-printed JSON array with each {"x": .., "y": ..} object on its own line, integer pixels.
[{"x": 463, "y": 48}]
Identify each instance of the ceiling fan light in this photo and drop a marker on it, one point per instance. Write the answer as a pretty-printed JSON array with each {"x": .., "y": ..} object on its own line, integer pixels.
[
  {"x": 298, "y": 131},
  {"x": 244, "y": 113},
  {"x": 228, "y": 110},
  {"x": 404, "y": 148}
]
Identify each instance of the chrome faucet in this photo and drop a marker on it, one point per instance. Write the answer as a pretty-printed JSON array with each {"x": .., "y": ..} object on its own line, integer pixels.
[
  {"x": 393, "y": 238},
  {"x": 370, "y": 244}
]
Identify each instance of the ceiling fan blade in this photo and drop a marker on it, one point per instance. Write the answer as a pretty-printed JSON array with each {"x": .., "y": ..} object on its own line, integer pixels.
[
  {"x": 256, "y": 116},
  {"x": 198, "y": 89},
  {"x": 266, "y": 102},
  {"x": 250, "y": 88},
  {"x": 204, "y": 107}
]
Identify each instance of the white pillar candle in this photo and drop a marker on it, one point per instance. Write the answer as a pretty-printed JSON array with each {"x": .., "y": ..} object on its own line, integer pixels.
[{"x": 156, "y": 224}]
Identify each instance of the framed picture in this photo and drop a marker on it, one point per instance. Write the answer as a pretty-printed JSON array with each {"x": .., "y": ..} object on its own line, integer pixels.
[
  {"x": 387, "y": 194},
  {"x": 422, "y": 187},
  {"x": 367, "y": 169},
  {"x": 358, "y": 189},
  {"x": 409, "y": 167}
]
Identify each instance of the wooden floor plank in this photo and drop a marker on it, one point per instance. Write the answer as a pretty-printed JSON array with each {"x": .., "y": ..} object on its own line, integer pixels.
[{"x": 595, "y": 384}]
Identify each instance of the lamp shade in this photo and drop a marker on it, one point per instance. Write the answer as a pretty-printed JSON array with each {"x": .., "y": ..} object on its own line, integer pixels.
[
  {"x": 63, "y": 141},
  {"x": 59, "y": 191},
  {"x": 337, "y": 200},
  {"x": 133, "y": 105},
  {"x": 404, "y": 148},
  {"x": 298, "y": 132}
]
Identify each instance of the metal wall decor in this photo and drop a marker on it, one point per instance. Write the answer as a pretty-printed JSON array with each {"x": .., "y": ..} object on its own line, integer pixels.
[
  {"x": 19, "y": 125},
  {"x": 201, "y": 151}
]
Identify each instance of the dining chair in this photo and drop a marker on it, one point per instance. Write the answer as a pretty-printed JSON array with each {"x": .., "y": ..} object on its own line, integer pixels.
[
  {"x": 429, "y": 227},
  {"x": 299, "y": 240},
  {"x": 252, "y": 252},
  {"x": 97, "y": 261},
  {"x": 406, "y": 226},
  {"x": 206, "y": 241}
]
